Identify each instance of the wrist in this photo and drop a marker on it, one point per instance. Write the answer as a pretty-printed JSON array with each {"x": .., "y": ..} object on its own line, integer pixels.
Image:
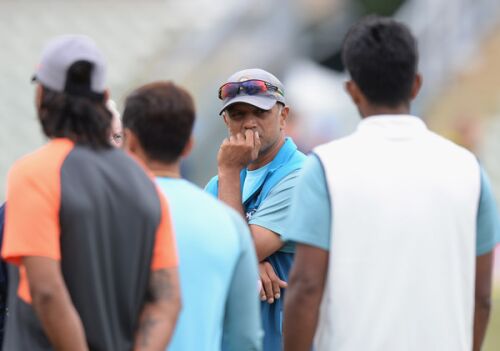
[{"x": 229, "y": 172}]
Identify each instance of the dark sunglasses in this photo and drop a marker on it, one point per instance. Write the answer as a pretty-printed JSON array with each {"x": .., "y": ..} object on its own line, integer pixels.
[{"x": 247, "y": 87}]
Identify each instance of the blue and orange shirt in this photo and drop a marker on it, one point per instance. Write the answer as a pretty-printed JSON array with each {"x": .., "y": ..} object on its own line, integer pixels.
[{"x": 100, "y": 215}]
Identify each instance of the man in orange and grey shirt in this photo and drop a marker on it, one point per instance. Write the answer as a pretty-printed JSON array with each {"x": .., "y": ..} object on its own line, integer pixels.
[{"x": 95, "y": 252}]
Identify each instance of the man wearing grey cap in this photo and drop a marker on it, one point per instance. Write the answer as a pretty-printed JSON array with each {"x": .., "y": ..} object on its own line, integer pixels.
[
  {"x": 93, "y": 262},
  {"x": 257, "y": 169}
]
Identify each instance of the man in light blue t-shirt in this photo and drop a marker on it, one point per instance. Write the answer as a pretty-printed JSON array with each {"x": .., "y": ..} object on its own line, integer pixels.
[
  {"x": 217, "y": 262},
  {"x": 257, "y": 170}
]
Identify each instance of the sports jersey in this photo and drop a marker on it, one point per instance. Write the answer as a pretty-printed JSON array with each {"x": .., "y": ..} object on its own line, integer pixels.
[
  {"x": 99, "y": 214},
  {"x": 266, "y": 204},
  {"x": 403, "y": 213},
  {"x": 218, "y": 273}
]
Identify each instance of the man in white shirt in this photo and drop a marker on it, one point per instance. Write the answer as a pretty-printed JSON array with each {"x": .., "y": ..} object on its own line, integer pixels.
[{"x": 395, "y": 226}]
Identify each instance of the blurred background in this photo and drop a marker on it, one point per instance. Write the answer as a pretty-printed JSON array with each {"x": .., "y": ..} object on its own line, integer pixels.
[{"x": 199, "y": 43}]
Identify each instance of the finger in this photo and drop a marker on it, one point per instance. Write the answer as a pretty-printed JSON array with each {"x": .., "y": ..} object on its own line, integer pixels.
[
  {"x": 240, "y": 138},
  {"x": 276, "y": 283},
  {"x": 257, "y": 144},
  {"x": 268, "y": 287},
  {"x": 257, "y": 140},
  {"x": 276, "y": 288},
  {"x": 262, "y": 293},
  {"x": 249, "y": 137},
  {"x": 283, "y": 284}
]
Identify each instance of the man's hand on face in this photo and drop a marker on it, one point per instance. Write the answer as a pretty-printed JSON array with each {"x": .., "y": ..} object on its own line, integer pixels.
[
  {"x": 237, "y": 151},
  {"x": 271, "y": 283}
]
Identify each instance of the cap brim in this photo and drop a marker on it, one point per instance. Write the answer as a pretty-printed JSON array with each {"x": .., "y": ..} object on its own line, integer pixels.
[{"x": 262, "y": 102}]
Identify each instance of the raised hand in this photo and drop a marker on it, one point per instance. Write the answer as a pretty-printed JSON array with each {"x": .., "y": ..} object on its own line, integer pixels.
[{"x": 239, "y": 150}]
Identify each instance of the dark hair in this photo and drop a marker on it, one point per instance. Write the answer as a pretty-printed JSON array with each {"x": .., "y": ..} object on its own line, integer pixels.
[
  {"x": 80, "y": 117},
  {"x": 161, "y": 115},
  {"x": 381, "y": 56}
]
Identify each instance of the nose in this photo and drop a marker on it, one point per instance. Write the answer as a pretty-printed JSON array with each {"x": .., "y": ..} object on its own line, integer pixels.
[{"x": 250, "y": 122}]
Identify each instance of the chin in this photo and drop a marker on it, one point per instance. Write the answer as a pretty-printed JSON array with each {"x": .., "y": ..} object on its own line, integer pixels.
[{"x": 264, "y": 150}]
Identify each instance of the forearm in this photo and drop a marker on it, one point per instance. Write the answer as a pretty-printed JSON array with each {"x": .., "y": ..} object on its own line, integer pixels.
[
  {"x": 160, "y": 312},
  {"x": 156, "y": 325},
  {"x": 52, "y": 304},
  {"x": 301, "y": 311},
  {"x": 481, "y": 317},
  {"x": 60, "y": 320},
  {"x": 482, "y": 297},
  {"x": 302, "y": 304},
  {"x": 230, "y": 189}
]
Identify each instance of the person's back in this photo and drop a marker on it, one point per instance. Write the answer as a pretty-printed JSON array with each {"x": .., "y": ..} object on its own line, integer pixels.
[
  {"x": 215, "y": 265},
  {"x": 402, "y": 255},
  {"x": 108, "y": 227}
]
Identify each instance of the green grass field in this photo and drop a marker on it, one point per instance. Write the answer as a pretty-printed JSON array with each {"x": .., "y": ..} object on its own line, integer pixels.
[{"x": 492, "y": 342}]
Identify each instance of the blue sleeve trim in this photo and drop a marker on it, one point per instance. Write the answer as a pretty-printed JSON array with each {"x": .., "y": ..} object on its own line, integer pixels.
[
  {"x": 310, "y": 220},
  {"x": 487, "y": 221},
  {"x": 328, "y": 191}
]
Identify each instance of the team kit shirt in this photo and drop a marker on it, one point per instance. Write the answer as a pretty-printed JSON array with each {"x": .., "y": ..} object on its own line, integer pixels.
[
  {"x": 99, "y": 214},
  {"x": 266, "y": 197},
  {"x": 218, "y": 273},
  {"x": 403, "y": 214}
]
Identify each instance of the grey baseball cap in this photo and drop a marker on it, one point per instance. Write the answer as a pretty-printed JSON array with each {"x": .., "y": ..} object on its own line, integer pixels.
[
  {"x": 63, "y": 51},
  {"x": 263, "y": 101}
]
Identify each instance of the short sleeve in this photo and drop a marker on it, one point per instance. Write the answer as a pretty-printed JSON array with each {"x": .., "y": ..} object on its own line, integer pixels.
[
  {"x": 164, "y": 251},
  {"x": 2, "y": 219},
  {"x": 488, "y": 224},
  {"x": 310, "y": 214},
  {"x": 34, "y": 197}
]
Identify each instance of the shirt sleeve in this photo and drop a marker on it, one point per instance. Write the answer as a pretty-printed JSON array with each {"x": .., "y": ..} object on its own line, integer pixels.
[
  {"x": 32, "y": 215},
  {"x": 164, "y": 251},
  {"x": 242, "y": 323},
  {"x": 273, "y": 211},
  {"x": 2, "y": 219},
  {"x": 310, "y": 218},
  {"x": 487, "y": 224}
]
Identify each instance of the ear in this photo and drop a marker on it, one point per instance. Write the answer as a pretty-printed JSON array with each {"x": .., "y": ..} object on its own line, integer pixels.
[
  {"x": 284, "y": 116},
  {"x": 106, "y": 95},
  {"x": 354, "y": 92},
  {"x": 131, "y": 142},
  {"x": 417, "y": 84},
  {"x": 38, "y": 96},
  {"x": 224, "y": 115},
  {"x": 188, "y": 148}
]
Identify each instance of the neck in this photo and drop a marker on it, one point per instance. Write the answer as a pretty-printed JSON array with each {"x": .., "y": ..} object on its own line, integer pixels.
[
  {"x": 372, "y": 110},
  {"x": 161, "y": 169},
  {"x": 268, "y": 155}
]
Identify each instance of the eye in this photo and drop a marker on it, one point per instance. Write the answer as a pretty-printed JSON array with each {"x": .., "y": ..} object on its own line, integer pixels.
[
  {"x": 236, "y": 116},
  {"x": 117, "y": 137}
]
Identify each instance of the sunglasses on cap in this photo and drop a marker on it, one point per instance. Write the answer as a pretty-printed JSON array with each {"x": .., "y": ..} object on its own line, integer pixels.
[{"x": 247, "y": 87}]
